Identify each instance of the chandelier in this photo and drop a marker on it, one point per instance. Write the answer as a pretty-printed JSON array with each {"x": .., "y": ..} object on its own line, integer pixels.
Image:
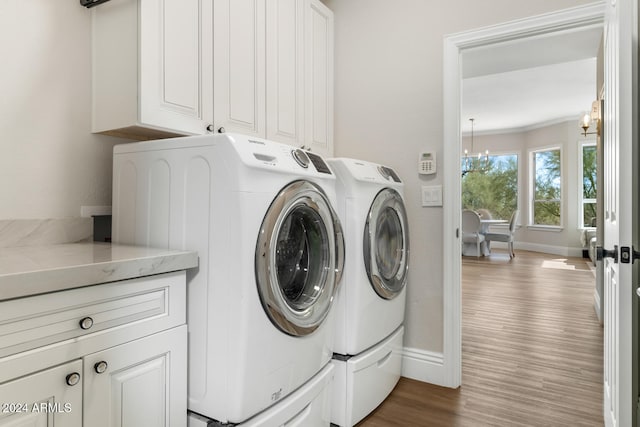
[{"x": 474, "y": 163}]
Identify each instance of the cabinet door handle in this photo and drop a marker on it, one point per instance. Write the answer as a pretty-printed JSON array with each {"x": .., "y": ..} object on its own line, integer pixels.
[
  {"x": 210, "y": 128},
  {"x": 73, "y": 378},
  {"x": 100, "y": 367},
  {"x": 86, "y": 323}
]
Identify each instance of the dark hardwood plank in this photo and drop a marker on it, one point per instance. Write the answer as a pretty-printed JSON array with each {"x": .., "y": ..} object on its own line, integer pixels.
[{"x": 532, "y": 351}]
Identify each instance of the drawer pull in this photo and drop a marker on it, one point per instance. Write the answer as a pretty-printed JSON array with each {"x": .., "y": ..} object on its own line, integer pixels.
[
  {"x": 73, "y": 378},
  {"x": 86, "y": 323},
  {"x": 100, "y": 367}
]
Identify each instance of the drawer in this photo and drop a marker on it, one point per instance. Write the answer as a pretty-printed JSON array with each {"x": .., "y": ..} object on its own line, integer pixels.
[
  {"x": 31, "y": 322},
  {"x": 363, "y": 381}
]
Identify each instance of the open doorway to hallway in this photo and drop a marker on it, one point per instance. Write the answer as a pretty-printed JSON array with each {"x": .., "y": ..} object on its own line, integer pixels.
[
  {"x": 525, "y": 154},
  {"x": 558, "y": 139}
]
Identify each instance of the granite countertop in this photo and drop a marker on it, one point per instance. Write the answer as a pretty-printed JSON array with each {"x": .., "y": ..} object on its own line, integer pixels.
[{"x": 32, "y": 270}]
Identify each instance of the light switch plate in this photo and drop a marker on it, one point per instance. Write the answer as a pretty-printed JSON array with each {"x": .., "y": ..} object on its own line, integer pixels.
[{"x": 431, "y": 195}]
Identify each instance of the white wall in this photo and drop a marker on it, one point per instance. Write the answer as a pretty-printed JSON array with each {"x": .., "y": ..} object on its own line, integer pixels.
[
  {"x": 388, "y": 94},
  {"x": 50, "y": 164}
]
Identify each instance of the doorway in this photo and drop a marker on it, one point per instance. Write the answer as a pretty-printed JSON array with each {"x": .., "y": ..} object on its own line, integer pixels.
[{"x": 562, "y": 23}]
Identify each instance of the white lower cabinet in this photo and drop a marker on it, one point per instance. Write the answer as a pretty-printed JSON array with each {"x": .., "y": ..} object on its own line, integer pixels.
[
  {"x": 116, "y": 355},
  {"x": 51, "y": 397},
  {"x": 138, "y": 384}
]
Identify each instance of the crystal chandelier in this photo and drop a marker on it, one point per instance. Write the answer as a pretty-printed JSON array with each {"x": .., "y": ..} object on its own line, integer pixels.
[{"x": 474, "y": 163}]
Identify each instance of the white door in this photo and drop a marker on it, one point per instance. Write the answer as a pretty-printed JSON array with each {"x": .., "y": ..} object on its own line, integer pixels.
[
  {"x": 284, "y": 67},
  {"x": 139, "y": 384},
  {"x": 239, "y": 58},
  {"x": 49, "y": 398},
  {"x": 318, "y": 78},
  {"x": 618, "y": 123},
  {"x": 175, "y": 72}
]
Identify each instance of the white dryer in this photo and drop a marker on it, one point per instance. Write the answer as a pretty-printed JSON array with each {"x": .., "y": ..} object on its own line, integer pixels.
[
  {"x": 260, "y": 214},
  {"x": 371, "y": 302}
]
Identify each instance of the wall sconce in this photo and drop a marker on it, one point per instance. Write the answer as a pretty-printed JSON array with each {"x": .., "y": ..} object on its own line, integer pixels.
[{"x": 592, "y": 116}]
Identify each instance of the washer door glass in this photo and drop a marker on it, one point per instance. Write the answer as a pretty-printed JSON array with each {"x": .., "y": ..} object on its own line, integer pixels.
[
  {"x": 386, "y": 244},
  {"x": 299, "y": 258}
]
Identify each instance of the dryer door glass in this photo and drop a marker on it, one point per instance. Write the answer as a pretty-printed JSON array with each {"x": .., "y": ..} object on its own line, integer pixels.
[
  {"x": 386, "y": 244},
  {"x": 299, "y": 258},
  {"x": 302, "y": 253}
]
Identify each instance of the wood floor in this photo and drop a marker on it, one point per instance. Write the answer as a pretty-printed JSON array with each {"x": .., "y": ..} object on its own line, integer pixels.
[{"x": 531, "y": 350}]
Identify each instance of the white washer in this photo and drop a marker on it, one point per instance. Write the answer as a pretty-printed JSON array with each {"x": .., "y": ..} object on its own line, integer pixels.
[
  {"x": 371, "y": 302},
  {"x": 270, "y": 245}
]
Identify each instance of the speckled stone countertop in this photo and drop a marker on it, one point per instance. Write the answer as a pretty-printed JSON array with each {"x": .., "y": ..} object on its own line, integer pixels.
[{"x": 32, "y": 270}]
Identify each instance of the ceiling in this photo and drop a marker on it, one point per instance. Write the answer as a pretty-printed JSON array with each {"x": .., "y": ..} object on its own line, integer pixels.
[{"x": 526, "y": 83}]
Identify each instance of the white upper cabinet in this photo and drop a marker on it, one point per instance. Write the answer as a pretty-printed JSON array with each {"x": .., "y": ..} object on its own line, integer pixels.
[
  {"x": 181, "y": 67},
  {"x": 285, "y": 71},
  {"x": 151, "y": 68},
  {"x": 318, "y": 78},
  {"x": 238, "y": 63}
]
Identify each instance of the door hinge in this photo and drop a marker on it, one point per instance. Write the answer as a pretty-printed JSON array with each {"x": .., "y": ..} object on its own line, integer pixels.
[
  {"x": 602, "y": 253},
  {"x": 628, "y": 255},
  {"x": 457, "y": 233}
]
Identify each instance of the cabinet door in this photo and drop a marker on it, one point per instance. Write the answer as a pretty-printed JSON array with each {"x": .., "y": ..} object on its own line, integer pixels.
[
  {"x": 175, "y": 76},
  {"x": 319, "y": 78},
  {"x": 44, "y": 399},
  {"x": 284, "y": 67},
  {"x": 239, "y": 60},
  {"x": 139, "y": 384}
]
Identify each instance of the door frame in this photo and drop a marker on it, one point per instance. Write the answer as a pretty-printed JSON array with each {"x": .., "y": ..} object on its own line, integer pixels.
[
  {"x": 620, "y": 178},
  {"x": 454, "y": 45}
]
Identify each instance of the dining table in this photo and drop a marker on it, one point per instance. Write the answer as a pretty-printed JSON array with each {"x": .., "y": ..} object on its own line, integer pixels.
[
  {"x": 486, "y": 223},
  {"x": 470, "y": 249}
]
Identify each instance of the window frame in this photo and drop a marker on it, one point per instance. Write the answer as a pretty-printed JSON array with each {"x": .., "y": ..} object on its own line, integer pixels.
[
  {"x": 581, "y": 200},
  {"x": 532, "y": 187},
  {"x": 519, "y": 172}
]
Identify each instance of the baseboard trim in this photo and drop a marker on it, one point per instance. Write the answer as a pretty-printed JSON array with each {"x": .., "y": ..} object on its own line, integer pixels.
[
  {"x": 537, "y": 247},
  {"x": 422, "y": 365}
]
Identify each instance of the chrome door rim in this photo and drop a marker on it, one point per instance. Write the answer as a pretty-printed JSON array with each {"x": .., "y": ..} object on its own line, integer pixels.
[
  {"x": 386, "y": 287},
  {"x": 299, "y": 198}
]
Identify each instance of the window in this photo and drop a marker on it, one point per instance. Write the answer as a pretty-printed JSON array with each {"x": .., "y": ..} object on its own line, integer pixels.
[
  {"x": 493, "y": 187},
  {"x": 547, "y": 187},
  {"x": 587, "y": 186}
]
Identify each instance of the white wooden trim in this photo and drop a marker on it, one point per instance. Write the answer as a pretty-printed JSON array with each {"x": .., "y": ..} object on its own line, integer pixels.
[
  {"x": 452, "y": 264},
  {"x": 422, "y": 365},
  {"x": 597, "y": 305},
  {"x": 565, "y": 20},
  {"x": 538, "y": 247}
]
